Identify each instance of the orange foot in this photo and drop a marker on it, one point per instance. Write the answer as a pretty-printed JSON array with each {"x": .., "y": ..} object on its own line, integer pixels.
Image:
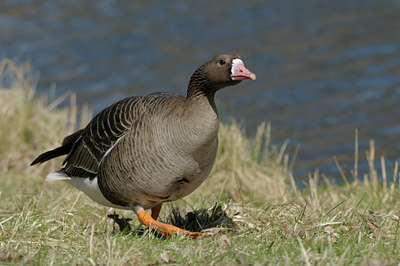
[{"x": 165, "y": 229}]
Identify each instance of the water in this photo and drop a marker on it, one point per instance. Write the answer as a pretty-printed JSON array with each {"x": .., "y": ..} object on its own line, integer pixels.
[{"x": 323, "y": 68}]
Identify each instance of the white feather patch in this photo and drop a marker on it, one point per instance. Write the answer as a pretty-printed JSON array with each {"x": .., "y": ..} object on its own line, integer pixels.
[
  {"x": 92, "y": 190},
  {"x": 57, "y": 176},
  {"x": 87, "y": 186},
  {"x": 236, "y": 62}
]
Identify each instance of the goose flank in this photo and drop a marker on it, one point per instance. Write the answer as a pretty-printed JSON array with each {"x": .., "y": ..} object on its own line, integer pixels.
[{"x": 143, "y": 151}]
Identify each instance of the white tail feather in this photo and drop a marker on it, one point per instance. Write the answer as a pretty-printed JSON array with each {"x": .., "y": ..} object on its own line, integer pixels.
[
  {"x": 84, "y": 184},
  {"x": 57, "y": 176}
]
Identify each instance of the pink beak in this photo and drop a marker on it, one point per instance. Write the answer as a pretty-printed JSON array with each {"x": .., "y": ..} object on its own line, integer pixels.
[{"x": 240, "y": 72}]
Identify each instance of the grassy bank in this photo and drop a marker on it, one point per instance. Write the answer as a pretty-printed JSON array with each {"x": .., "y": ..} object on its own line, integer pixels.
[{"x": 249, "y": 200}]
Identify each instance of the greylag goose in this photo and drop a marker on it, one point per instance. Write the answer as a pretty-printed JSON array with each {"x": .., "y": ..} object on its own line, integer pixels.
[{"x": 143, "y": 151}]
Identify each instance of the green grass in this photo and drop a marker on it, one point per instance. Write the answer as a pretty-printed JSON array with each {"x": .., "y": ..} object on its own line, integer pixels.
[{"x": 249, "y": 201}]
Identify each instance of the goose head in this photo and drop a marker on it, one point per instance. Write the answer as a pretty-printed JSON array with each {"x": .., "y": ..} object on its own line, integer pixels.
[{"x": 221, "y": 71}]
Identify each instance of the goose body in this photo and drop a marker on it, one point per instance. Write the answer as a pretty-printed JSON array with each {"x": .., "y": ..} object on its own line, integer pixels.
[
  {"x": 143, "y": 151},
  {"x": 171, "y": 155}
]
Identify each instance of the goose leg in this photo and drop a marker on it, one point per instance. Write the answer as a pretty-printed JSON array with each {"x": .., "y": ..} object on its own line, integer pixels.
[
  {"x": 166, "y": 229},
  {"x": 155, "y": 211}
]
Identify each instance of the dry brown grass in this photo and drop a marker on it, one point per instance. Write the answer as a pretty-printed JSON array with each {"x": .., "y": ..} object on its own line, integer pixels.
[
  {"x": 30, "y": 124},
  {"x": 249, "y": 167}
]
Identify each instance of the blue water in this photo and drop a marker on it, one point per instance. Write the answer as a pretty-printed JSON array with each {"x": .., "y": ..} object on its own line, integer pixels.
[{"x": 323, "y": 68}]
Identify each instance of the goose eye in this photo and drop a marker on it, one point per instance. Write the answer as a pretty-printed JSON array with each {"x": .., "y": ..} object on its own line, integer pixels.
[{"x": 222, "y": 62}]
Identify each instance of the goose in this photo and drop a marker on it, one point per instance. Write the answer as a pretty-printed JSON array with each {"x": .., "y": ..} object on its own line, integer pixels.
[{"x": 143, "y": 151}]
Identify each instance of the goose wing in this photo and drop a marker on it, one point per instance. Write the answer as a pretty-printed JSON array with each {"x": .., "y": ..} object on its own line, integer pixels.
[{"x": 99, "y": 136}]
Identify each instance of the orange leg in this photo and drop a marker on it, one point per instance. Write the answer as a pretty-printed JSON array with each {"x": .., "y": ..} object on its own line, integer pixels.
[
  {"x": 166, "y": 229},
  {"x": 155, "y": 211}
]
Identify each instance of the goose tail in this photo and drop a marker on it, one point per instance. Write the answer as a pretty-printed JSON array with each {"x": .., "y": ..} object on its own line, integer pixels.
[
  {"x": 57, "y": 176},
  {"x": 66, "y": 146},
  {"x": 52, "y": 154}
]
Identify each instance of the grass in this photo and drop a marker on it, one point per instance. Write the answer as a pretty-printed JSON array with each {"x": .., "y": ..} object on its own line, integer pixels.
[{"x": 249, "y": 200}]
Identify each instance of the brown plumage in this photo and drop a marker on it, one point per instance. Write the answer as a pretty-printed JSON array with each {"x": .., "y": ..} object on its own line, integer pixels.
[{"x": 143, "y": 151}]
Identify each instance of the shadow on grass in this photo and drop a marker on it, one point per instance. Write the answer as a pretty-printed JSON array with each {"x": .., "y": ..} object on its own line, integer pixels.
[{"x": 194, "y": 221}]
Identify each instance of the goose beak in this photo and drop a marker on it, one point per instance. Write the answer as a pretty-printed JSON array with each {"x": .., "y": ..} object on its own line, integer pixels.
[{"x": 240, "y": 72}]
